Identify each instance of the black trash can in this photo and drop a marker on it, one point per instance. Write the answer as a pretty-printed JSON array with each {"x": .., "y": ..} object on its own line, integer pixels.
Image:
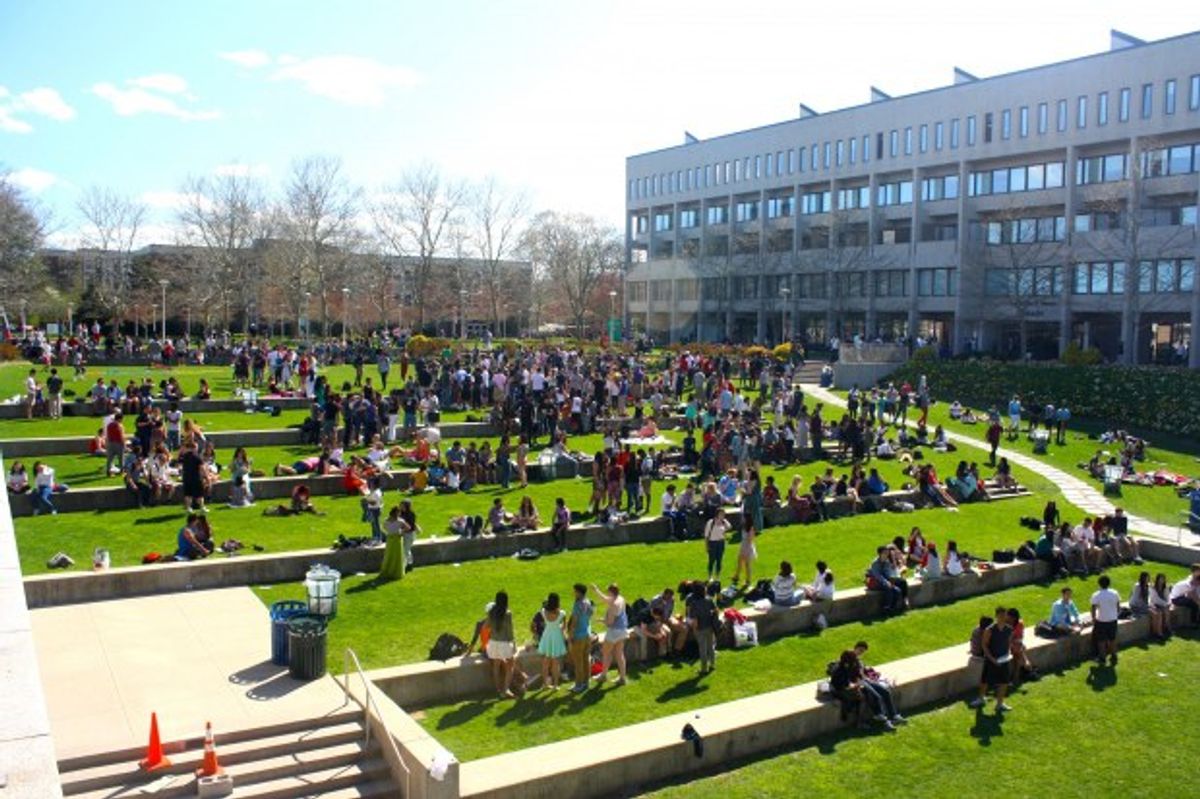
[
  {"x": 306, "y": 646},
  {"x": 281, "y": 612}
]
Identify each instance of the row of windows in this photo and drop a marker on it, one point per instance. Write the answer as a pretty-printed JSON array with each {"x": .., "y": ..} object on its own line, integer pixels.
[
  {"x": 827, "y": 155},
  {"x": 1163, "y": 276},
  {"x": 1032, "y": 281},
  {"x": 1030, "y": 177},
  {"x": 1179, "y": 160},
  {"x": 1030, "y": 230},
  {"x": 937, "y": 282}
]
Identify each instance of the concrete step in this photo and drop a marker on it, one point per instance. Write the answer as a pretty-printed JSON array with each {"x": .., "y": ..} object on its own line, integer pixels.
[
  {"x": 351, "y": 715},
  {"x": 286, "y": 747},
  {"x": 350, "y": 781}
]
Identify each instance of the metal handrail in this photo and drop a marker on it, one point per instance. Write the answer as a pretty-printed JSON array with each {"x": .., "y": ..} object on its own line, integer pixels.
[{"x": 369, "y": 711}]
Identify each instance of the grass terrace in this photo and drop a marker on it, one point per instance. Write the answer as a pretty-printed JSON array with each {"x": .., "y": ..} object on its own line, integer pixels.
[
  {"x": 945, "y": 748},
  {"x": 485, "y": 727}
]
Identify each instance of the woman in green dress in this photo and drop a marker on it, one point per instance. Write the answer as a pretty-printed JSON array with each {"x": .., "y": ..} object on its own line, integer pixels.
[
  {"x": 553, "y": 644},
  {"x": 394, "y": 556}
]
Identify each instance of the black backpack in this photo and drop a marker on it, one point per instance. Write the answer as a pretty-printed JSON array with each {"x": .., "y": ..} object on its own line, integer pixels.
[
  {"x": 447, "y": 646},
  {"x": 639, "y": 612},
  {"x": 1003, "y": 556}
]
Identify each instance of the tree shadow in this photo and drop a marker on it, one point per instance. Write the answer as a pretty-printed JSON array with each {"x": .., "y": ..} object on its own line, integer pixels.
[
  {"x": 987, "y": 727},
  {"x": 1101, "y": 678}
]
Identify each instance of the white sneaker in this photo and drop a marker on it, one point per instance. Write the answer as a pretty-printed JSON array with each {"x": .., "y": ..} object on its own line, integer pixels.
[
  {"x": 1002, "y": 706},
  {"x": 976, "y": 702}
]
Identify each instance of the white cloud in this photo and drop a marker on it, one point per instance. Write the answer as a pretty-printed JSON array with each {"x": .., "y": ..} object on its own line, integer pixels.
[
  {"x": 349, "y": 79},
  {"x": 42, "y": 101},
  {"x": 242, "y": 170},
  {"x": 140, "y": 100},
  {"x": 36, "y": 180},
  {"x": 46, "y": 102},
  {"x": 162, "y": 82},
  {"x": 247, "y": 58}
]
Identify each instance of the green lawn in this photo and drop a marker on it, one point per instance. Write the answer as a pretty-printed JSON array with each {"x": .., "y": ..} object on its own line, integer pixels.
[
  {"x": 214, "y": 422},
  {"x": 1157, "y": 503},
  {"x": 1122, "y": 716},
  {"x": 485, "y": 727},
  {"x": 397, "y": 622}
]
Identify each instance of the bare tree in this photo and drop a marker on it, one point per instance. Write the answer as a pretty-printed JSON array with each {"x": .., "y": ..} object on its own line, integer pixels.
[
  {"x": 411, "y": 219},
  {"x": 320, "y": 208},
  {"x": 222, "y": 217},
  {"x": 112, "y": 222},
  {"x": 22, "y": 231},
  {"x": 497, "y": 217},
  {"x": 576, "y": 251}
]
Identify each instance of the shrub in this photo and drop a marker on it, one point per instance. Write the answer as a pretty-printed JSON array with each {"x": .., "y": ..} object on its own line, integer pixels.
[
  {"x": 783, "y": 352},
  {"x": 1074, "y": 355}
]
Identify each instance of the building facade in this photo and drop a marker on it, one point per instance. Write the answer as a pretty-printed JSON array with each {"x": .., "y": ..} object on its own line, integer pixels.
[{"x": 1013, "y": 214}]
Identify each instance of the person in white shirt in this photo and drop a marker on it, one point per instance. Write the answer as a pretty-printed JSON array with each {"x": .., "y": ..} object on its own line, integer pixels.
[
  {"x": 43, "y": 488},
  {"x": 1106, "y": 609},
  {"x": 1186, "y": 593},
  {"x": 31, "y": 392},
  {"x": 954, "y": 565},
  {"x": 783, "y": 587}
]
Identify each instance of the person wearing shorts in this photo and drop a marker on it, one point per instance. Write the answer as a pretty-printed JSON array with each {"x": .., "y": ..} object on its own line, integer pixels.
[
  {"x": 997, "y": 661},
  {"x": 612, "y": 646},
  {"x": 501, "y": 646},
  {"x": 1106, "y": 609}
]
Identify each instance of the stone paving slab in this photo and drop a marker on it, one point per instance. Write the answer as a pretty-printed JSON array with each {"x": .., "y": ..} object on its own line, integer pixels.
[{"x": 190, "y": 657}]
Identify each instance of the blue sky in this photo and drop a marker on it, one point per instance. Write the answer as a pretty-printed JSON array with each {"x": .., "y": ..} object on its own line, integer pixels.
[{"x": 548, "y": 97}]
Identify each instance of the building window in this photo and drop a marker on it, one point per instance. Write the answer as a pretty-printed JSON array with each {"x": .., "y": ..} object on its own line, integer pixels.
[
  {"x": 891, "y": 283},
  {"x": 778, "y": 207},
  {"x": 825, "y": 160},
  {"x": 856, "y": 197},
  {"x": 1043, "y": 117},
  {"x": 815, "y": 160},
  {"x": 866, "y": 148},
  {"x": 936, "y": 282},
  {"x": 1100, "y": 169},
  {"x": 1147, "y": 100},
  {"x": 662, "y": 222},
  {"x": 1179, "y": 160},
  {"x": 954, "y": 134},
  {"x": 1062, "y": 115},
  {"x": 908, "y": 141},
  {"x": 899, "y": 193},
  {"x": 1123, "y": 105},
  {"x": 1166, "y": 276},
  {"x": 1016, "y": 179},
  {"x": 800, "y": 158},
  {"x": 1194, "y": 93},
  {"x": 1006, "y": 124},
  {"x": 939, "y": 188},
  {"x": 970, "y": 131},
  {"x": 791, "y": 156},
  {"x": 718, "y": 214},
  {"x": 817, "y": 202},
  {"x": 746, "y": 211},
  {"x": 923, "y": 145},
  {"x": 1023, "y": 121},
  {"x": 1029, "y": 230},
  {"x": 1081, "y": 114},
  {"x": 1030, "y": 281},
  {"x": 770, "y": 163},
  {"x": 938, "y": 135},
  {"x": 1169, "y": 97},
  {"x": 839, "y": 152},
  {"x": 737, "y": 170},
  {"x": 689, "y": 218},
  {"x": 1102, "y": 108},
  {"x": 987, "y": 128},
  {"x": 853, "y": 150},
  {"x": 894, "y": 143}
]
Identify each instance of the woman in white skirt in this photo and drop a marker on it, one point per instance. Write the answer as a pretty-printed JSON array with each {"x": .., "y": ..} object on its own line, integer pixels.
[
  {"x": 617, "y": 622},
  {"x": 501, "y": 646}
]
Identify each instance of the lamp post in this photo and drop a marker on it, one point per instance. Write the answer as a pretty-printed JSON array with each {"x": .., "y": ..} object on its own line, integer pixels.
[
  {"x": 345, "y": 312},
  {"x": 462, "y": 314},
  {"x": 612, "y": 315},
  {"x": 784, "y": 292},
  {"x": 163, "y": 285}
]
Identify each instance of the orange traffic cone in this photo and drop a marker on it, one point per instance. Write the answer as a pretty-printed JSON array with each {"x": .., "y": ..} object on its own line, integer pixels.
[
  {"x": 155, "y": 759},
  {"x": 209, "y": 767}
]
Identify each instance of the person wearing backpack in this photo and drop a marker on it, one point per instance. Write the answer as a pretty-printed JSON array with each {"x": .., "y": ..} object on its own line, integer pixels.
[{"x": 705, "y": 620}]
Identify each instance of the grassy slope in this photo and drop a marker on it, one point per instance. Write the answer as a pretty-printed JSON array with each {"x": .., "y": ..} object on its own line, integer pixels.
[
  {"x": 1125, "y": 715},
  {"x": 485, "y": 727}
]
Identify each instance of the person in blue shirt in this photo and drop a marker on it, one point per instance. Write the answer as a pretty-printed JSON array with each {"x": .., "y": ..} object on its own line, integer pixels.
[
  {"x": 1061, "y": 417},
  {"x": 1014, "y": 417},
  {"x": 188, "y": 544},
  {"x": 875, "y": 484},
  {"x": 1194, "y": 510},
  {"x": 884, "y": 578},
  {"x": 1064, "y": 616}
]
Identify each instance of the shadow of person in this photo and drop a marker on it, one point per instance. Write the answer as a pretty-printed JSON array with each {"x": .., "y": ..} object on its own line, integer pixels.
[
  {"x": 987, "y": 727},
  {"x": 692, "y": 686},
  {"x": 1101, "y": 678}
]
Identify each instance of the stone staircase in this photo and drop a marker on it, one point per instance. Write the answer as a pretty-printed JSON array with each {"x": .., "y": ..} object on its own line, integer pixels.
[
  {"x": 323, "y": 757},
  {"x": 810, "y": 372}
]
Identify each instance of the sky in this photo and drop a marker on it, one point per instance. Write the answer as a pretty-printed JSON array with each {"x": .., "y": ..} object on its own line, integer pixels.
[{"x": 547, "y": 98}]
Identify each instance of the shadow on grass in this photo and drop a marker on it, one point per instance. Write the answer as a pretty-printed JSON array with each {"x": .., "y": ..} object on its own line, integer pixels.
[
  {"x": 692, "y": 686},
  {"x": 464, "y": 713},
  {"x": 987, "y": 727},
  {"x": 1101, "y": 678},
  {"x": 166, "y": 517}
]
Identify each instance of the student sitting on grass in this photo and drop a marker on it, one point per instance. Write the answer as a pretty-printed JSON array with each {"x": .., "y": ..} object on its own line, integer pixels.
[
  {"x": 956, "y": 564},
  {"x": 500, "y": 520},
  {"x": 190, "y": 543},
  {"x": 560, "y": 525},
  {"x": 301, "y": 502},
  {"x": 783, "y": 587},
  {"x": 18, "y": 480},
  {"x": 1047, "y": 551}
]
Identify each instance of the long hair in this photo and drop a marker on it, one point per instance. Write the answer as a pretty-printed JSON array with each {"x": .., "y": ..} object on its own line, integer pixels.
[{"x": 499, "y": 608}]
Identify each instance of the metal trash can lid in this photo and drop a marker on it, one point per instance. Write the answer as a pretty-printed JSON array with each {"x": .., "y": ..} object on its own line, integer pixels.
[
  {"x": 286, "y": 608},
  {"x": 306, "y": 625}
]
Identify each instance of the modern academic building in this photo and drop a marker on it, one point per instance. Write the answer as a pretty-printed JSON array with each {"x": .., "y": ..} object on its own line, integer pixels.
[{"x": 1053, "y": 205}]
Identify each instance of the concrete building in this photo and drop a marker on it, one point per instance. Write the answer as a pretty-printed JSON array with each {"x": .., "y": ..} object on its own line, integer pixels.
[{"x": 1024, "y": 211}]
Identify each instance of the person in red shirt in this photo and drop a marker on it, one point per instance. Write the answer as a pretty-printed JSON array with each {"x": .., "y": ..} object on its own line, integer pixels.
[{"x": 114, "y": 443}]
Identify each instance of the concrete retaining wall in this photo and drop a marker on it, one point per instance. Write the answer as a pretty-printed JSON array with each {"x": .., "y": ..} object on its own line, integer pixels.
[
  {"x": 617, "y": 762},
  {"x": 10, "y": 410},
  {"x": 863, "y": 375},
  {"x": 27, "y": 759},
  {"x": 431, "y": 683},
  {"x": 78, "y": 445}
]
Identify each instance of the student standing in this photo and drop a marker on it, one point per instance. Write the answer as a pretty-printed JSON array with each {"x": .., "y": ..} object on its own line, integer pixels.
[{"x": 1106, "y": 608}]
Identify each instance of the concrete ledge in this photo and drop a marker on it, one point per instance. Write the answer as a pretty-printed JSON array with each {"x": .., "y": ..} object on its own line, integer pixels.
[
  {"x": 27, "y": 757},
  {"x": 16, "y": 410},
  {"x": 78, "y": 445},
  {"x": 616, "y": 761},
  {"x": 81, "y": 500},
  {"x": 1184, "y": 555},
  {"x": 219, "y": 571},
  {"x": 431, "y": 683}
]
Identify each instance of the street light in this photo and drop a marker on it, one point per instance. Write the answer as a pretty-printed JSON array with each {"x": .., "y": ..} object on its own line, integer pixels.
[
  {"x": 345, "y": 312},
  {"x": 612, "y": 313},
  {"x": 784, "y": 292},
  {"x": 163, "y": 285},
  {"x": 462, "y": 314}
]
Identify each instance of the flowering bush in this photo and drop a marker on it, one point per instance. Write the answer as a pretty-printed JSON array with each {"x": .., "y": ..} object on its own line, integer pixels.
[
  {"x": 420, "y": 346},
  {"x": 1146, "y": 397},
  {"x": 783, "y": 352}
]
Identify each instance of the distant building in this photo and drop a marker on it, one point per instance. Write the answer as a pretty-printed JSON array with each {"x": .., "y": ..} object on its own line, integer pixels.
[{"x": 1056, "y": 204}]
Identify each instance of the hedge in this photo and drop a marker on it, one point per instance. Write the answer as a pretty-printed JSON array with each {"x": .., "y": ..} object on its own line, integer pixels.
[{"x": 1150, "y": 398}]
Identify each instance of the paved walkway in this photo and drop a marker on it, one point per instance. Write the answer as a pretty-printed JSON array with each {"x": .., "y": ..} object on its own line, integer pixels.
[
  {"x": 191, "y": 657},
  {"x": 1078, "y": 492}
]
